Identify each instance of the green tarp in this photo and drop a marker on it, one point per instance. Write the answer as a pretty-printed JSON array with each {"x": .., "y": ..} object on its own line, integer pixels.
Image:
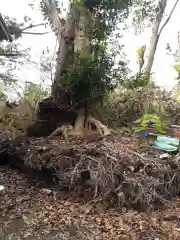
[{"x": 167, "y": 144}]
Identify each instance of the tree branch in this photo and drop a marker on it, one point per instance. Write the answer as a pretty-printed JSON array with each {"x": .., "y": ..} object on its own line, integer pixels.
[
  {"x": 10, "y": 54},
  {"x": 18, "y": 31},
  {"x": 169, "y": 17},
  {"x": 54, "y": 19},
  {"x": 32, "y": 26},
  {"x": 33, "y": 33}
]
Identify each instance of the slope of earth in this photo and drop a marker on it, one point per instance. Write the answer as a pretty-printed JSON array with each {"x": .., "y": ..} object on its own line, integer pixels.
[{"x": 29, "y": 212}]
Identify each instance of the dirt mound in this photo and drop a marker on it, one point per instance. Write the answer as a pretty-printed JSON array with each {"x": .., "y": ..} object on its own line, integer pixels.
[{"x": 110, "y": 169}]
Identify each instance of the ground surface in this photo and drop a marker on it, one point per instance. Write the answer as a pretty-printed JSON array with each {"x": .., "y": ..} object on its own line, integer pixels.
[{"x": 28, "y": 211}]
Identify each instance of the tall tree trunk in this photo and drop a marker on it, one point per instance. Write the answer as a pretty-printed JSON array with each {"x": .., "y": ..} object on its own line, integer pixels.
[
  {"x": 74, "y": 36},
  {"x": 156, "y": 31},
  {"x": 155, "y": 34},
  {"x": 65, "y": 33},
  {"x": 82, "y": 46}
]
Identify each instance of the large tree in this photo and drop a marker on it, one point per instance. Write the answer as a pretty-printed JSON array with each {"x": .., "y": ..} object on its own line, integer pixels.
[{"x": 85, "y": 69}]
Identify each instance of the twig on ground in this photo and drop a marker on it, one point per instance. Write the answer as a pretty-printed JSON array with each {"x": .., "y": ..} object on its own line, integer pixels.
[{"x": 139, "y": 155}]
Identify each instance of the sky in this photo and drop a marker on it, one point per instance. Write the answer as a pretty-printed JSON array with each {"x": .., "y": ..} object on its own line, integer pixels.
[{"x": 164, "y": 73}]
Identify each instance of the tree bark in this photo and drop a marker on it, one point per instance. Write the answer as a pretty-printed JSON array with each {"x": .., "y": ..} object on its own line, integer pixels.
[
  {"x": 66, "y": 39},
  {"x": 79, "y": 123},
  {"x": 64, "y": 31},
  {"x": 156, "y": 31},
  {"x": 81, "y": 45},
  {"x": 101, "y": 128},
  {"x": 155, "y": 34},
  {"x": 74, "y": 36}
]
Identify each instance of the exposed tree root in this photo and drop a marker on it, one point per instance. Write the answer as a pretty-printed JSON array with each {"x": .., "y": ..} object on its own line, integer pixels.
[
  {"x": 68, "y": 130},
  {"x": 101, "y": 128},
  {"x": 82, "y": 128},
  {"x": 64, "y": 130},
  {"x": 79, "y": 124},
  {"x": 53, "y": 120}
]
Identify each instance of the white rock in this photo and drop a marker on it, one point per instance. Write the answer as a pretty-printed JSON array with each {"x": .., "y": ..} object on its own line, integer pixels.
[{"x": 2, "y": 187}]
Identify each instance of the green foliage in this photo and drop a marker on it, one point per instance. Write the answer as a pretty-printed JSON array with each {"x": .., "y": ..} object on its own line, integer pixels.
[
  {"x": 12, "y": 56},
  {"x": 124, "y": 106},
  {"x": 34, "y": 93},
  {"x": 140, "y": 54},
  {"x": 2, "y": 94},
  {"x": 106, "y": 15},
  {"x": 177, "y": 69},
  {"x": 143, "y": 12},
  {"x": 153, "y": 121},
  {"x": 92, "y": 74},
  {"x": 138, "y": 80}
]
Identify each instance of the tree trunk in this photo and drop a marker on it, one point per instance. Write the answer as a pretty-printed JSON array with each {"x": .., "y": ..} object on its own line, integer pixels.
[
  {"x": 155, "y": 34},
  {"x": 80, "y": 122},
  {"x": 81, "y": 46},
  {"x": 74, "y": 37},
  {"x": 65, "y": 33}
]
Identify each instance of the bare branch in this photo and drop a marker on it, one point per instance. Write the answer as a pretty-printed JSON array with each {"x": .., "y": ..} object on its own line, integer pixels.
[
  {"x": 32, "y": 26},
  {"x": 169, "y": 17},
  {"x": 10, "y": 54},
  {"x": 55, "y": 21},
  {"x": 155, "y": 34},
  {"x": 33, "y": 33},
  {"x": 18, "y": 31}
]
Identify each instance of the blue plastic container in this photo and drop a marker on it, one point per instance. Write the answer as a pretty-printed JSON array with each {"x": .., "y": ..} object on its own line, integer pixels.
[{"x": 144, "y": 134}]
